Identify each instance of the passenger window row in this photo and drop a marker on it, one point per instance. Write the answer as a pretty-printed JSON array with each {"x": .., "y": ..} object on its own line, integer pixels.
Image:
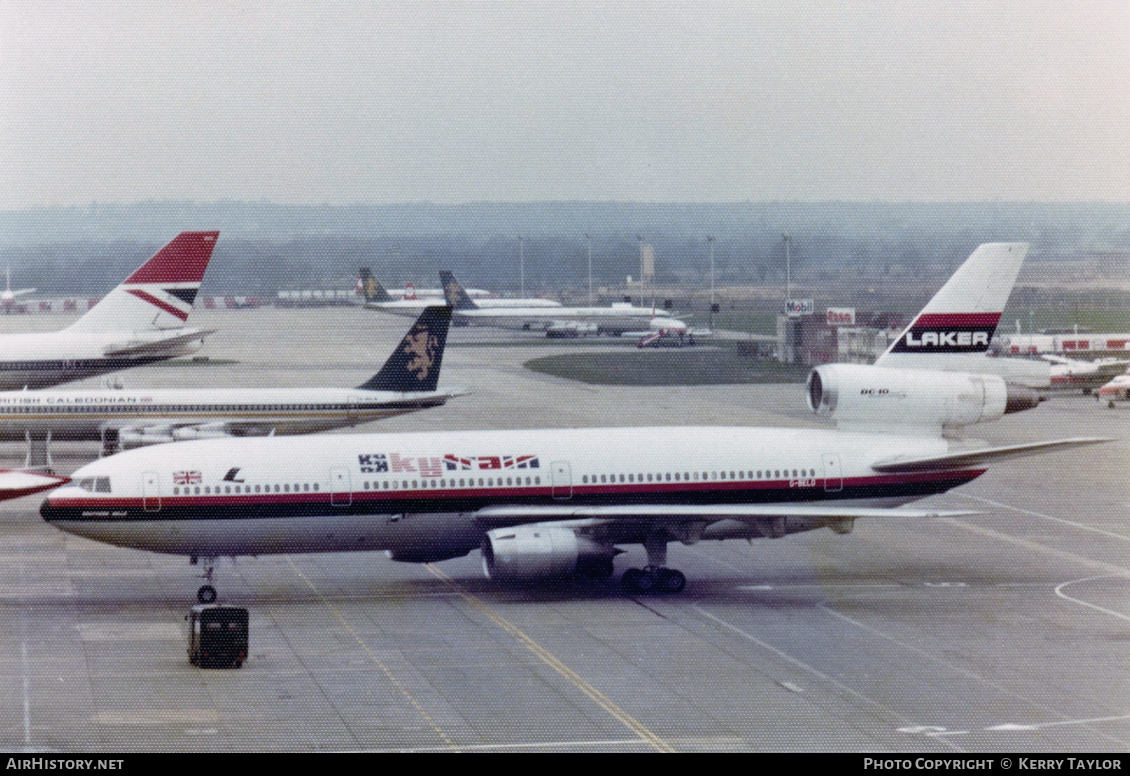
[
  {"x": 768, "y": 474},
  {"x": 208, "y": 490}
]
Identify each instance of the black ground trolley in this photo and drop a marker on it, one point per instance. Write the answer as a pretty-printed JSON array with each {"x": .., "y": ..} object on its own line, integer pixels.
[{"x": 217, "y": 636}]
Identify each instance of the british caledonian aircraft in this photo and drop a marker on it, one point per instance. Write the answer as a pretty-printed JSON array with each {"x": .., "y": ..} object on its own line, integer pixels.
[
  {"x": 560, "y": 321},
  {"x": 954, "y": 331},
  {"x": 538, "y": 503},
  {"x": 376, "y": 297},
  {"x": 139, "y": 322},
  {"x": 369, "y": 288},
  {"x": 123, "y": 419}
]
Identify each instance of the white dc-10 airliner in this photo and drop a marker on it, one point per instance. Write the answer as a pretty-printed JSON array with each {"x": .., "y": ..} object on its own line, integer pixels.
[{"x": 559, "y": 501}]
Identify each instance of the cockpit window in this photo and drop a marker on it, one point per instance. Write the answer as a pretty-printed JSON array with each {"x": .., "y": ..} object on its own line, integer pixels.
[{"x": 95, "y": 484}]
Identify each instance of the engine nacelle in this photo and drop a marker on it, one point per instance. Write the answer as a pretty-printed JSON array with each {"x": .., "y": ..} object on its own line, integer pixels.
[
  {"x": 529, "y": 551},
  {"x": 871, "y": 396},
  {"x": 209, "y": 431},
  {"x": 129, "y": 438}
]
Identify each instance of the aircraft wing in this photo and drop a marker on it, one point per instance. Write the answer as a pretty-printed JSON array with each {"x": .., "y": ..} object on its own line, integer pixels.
[
  {"x": 518, "y": 514},
  {"x": 966, "y": 458},
  {"x": 143, "y": 347}
]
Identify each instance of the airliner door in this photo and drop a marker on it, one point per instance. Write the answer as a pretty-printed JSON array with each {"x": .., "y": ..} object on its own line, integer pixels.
[
  {"x": 833, "y": 474},
  {"x": 341, "y": 494},
  {"x": 561, "y": 480},
  {"x": 150, "y": 492}
]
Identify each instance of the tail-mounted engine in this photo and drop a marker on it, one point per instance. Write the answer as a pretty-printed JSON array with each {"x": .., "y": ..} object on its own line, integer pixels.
[{"x": 875, "y": 397}]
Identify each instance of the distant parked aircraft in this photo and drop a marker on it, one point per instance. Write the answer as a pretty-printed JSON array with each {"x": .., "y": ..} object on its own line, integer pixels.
[{"x": 139, "y": 322}]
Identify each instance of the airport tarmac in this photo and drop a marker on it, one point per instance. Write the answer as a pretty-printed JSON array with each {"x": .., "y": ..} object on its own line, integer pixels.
[{"x": 1004, "y": 632}]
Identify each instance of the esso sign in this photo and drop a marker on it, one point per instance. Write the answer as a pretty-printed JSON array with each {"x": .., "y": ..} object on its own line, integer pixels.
[{"x": 841, "y": 316}]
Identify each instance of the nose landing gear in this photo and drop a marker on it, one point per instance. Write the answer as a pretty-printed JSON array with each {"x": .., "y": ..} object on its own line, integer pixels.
[{"x": 206, "y": 594}]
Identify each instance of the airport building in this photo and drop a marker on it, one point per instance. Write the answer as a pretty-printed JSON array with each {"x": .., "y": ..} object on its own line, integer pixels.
[{"x": 841, "y": 335}]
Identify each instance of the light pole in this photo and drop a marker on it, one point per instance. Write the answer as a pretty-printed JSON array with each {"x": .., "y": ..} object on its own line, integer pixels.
[
  {"x": 713, "y": 306},
  {"x": 643, "y": 289},
  {"x": 588, "y": 239},
  {"x": 788, "y": 272},
  {"x": 710, "y": 239}
]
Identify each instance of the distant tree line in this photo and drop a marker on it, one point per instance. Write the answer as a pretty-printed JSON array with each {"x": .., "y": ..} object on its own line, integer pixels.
[{"x": 265, "y": 247}]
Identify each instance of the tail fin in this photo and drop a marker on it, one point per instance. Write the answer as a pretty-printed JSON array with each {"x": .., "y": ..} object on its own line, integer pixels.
[
  {"x": 370, "y": 288},
  {"x": 963, "y": 315},
  {"x": 453, "y": 292},
  {"x": 159, "y": 294},
  {"x": 414, "y": 364}
]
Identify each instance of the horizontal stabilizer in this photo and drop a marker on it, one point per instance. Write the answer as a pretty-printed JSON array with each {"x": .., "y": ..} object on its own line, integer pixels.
[
  {"x": 966, "y": 458},
  {"x": 704, "y": 511},
  {"x": 155, "y": 347}
]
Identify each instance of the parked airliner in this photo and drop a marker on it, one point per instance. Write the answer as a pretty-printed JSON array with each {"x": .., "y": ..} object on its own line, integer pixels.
[
  {"x": 8, "y": 296},
  {"x": 123, "y": 419},
  {"x": 560, "y": 321},
  {"x": 377, "y": 297},
  {"x": 559, "y": 501},
  {"x": 954, "y": 331},
  {"x": 552, "y": 501},
  {"x": 1116, "y": 390},
  {"x": 139, "y": 322},
  {"x": 369, "y": 289}
]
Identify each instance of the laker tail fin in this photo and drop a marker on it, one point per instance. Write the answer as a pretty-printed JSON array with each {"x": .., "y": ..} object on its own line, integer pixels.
[
  {"x": 159, "y": 294},
  {"x": 963, "y": 315},
  {"x": 454, "y": 293},
  {"x": 414, "y": 364}
]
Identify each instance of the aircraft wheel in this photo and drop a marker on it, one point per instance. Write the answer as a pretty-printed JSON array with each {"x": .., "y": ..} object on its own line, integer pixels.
[
  {"x": 647, "y": 581},
  {"x": 1110, "y": 404},
  {"x": 672, "y": 581},
  {"x": 206, "y": 594},
  {"x": 630, "y": 580}
]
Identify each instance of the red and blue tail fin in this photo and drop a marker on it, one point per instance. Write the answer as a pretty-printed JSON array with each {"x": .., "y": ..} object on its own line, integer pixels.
[{"x": 159, "y": 294}]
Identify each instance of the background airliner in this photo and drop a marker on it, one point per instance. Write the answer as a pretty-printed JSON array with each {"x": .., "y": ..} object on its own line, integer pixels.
[
  {"x": 953, "y": 332},
  {"x": 127, "y": 418},
  {"x": 369, "y": 289},
  {"x": 559, "y": 321},
  {"x": 139, "y": 322},
  {"x": 8, "y": 296},
  {"x": 378, "y": 298},
  {"x": 1116, "y": 390}
]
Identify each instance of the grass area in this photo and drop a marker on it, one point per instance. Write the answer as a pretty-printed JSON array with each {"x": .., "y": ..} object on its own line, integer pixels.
[{"x": 673, "y": 366}]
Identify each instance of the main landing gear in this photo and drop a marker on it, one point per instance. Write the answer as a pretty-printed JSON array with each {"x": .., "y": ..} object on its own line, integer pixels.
[
  {"x": 206, "y": 594},
  {"x": 653, "y": 580},
  {"x": 655, "y": 577}
]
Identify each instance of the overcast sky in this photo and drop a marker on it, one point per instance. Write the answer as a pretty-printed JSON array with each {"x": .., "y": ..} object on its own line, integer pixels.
[{"x": 328, "y": 102}]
